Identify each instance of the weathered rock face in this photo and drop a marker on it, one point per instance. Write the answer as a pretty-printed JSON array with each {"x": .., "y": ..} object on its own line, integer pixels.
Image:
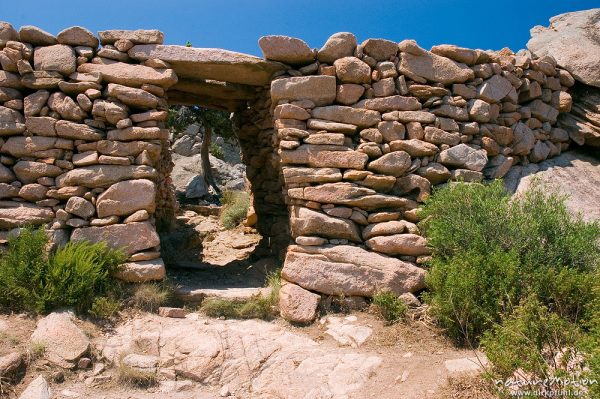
[
  {"x": 572, "y": 40},
  {"x": 318, "y": 89},
  {"x": 217, "y": 346}
]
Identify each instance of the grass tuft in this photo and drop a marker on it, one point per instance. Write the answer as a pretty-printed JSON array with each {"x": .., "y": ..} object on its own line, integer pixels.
[{"x": 235, "y": 208}]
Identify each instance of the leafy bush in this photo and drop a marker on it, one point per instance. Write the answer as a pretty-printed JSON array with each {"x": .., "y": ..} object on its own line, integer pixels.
[
  {"x": 489, "y": 253},
  {"x": 216, "y": 150},
  {"x": 534, "y": 341},
  {"x": 521, "y": 276},
  {"x": 235, "y": 208},
  {"x": 73, "y": 276},
  {"x": 389, "y": 306}
]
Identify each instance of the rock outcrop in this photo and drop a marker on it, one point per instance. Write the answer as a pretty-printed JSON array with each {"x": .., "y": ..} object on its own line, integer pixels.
[{"x": 572, "y": 39}]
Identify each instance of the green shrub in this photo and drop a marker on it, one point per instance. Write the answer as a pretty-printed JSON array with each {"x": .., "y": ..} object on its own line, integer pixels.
[
  {"x": 235, "y": 208},
  {"x": 23, "y": 270},
  {"x": 71, "y": 277},
  {"x": 389, "y": 306},
  {"x": 216, "y": 150},
  {"x": 535, "y": 341},
  {"x": 78, "y": 273},
  {"x": 489, "y": 253}
]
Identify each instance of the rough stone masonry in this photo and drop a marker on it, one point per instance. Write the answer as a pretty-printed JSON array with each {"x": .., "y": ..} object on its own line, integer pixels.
[{"x": 342, "y": 143}]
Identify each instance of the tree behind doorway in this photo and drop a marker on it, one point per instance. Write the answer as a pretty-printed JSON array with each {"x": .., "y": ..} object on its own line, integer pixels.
[{"x": 213, "y": 121}]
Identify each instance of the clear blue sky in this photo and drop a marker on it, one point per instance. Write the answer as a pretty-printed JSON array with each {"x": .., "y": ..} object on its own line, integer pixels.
[{"x": 237, "y": 24}]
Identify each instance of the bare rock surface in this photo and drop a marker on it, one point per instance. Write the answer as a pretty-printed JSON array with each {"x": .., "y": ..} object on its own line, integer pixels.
[
  {"x": 63, "y": 341},
  {"x": 573, "y": 40},
  {"x": 574, "y": 173},
  {"x": 253, "y": 358}
]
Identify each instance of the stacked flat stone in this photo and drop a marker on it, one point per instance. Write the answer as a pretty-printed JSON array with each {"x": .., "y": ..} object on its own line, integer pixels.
[
  {"x": 83, "y": 141},
  {"x": 365, "y": 131}
]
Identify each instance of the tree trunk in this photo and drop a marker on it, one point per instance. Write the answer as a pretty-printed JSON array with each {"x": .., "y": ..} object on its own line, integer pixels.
[{"x": 205, "y": 159}]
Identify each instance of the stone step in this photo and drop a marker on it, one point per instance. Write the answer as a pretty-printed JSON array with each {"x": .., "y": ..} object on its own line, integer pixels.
[{"x": 191, "y": 295}]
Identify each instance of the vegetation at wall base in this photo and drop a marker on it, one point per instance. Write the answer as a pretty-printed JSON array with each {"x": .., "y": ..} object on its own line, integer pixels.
[
  {"x": 257, "y": 307},
  {"x": 520, "y": 276},
  {"x": 389, "y": 306},
  {"x": 73, "y": 276},
  {"x": 235, "y": 208}
]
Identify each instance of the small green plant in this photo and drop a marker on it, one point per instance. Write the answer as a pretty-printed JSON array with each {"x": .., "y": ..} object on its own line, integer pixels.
[
  {"x": 235, "y": 208},
  {"x": 36, "y": 351},
  {"x": 73, "y": 276},
  {"x": 389, "y": 306},
  {"x": 105, "y": 307},
  {"x": 151, "y": 296},
  {"x": 136, "y": 378},
  {"x": 257, "y": 307},
  {"x": 216, "y": 150}
]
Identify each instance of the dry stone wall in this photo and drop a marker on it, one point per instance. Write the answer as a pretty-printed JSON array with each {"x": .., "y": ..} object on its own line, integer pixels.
[
  {"x": 366, "y": 130},
  {"x": 83, "y": 142},
  {"x": 341, "y": 144}
]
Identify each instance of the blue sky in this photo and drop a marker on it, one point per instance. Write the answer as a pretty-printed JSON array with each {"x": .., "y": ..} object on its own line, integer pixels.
[{"x": 237, "y": 24}]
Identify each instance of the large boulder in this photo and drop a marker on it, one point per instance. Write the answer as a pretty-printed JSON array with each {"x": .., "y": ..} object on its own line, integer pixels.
[
  {"x": 572, "y": 39},
  {"x": 139, "y": 36},
  {"x": 306, "y": 222},
  {"x": 131, "y": 237},
  {"x": 126, "y": 197},
  {"x": 348, "y": 270},
  {"x": 210, "y": 63},
  {"x": 286, "y": 49},
  {"x": 104, "y": 175},
  {"x": 142, "y": 272},
  {"x": 63, "y": 341},
  {"x": 463, "y": 156},
  {"x": 37, "y": 389},
  {"x": 12, "y": 122},
  {"x": 321, "y": 90},
  {"x": 77, "y": 36},
  {"x": 58, "y": 58},
  {"x": 339, "y": 45},
  {"x": 297, "y": 304},
  {"x": 433, "y": 68},
  {"x": 350, "y": 115},
  {"x": 16, "y": 214},
  {"x": 131, "y": 75},
  {"x": 399, "y": 244}
]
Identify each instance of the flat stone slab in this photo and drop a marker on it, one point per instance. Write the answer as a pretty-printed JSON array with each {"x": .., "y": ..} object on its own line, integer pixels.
[
  {"x": 197, "y": 295},
  {"x": 215, "y": 89},
  {"x": 210, "y": 63}
]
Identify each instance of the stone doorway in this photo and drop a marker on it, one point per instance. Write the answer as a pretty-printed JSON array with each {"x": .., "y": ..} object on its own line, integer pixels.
[{"x": 236, "y": 83}]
